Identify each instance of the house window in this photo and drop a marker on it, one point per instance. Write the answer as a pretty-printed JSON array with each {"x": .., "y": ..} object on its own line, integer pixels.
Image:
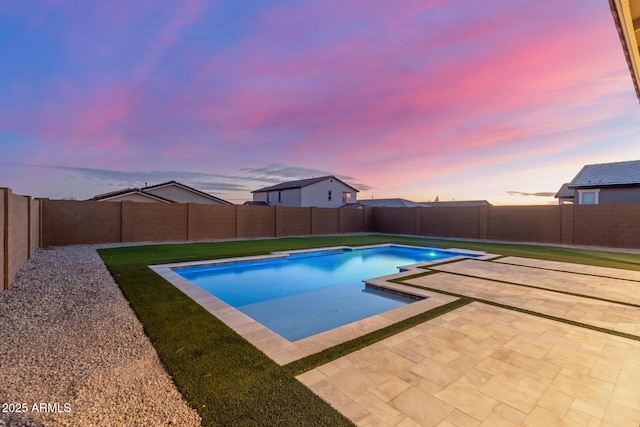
[
  {"x": 346, "y": 197},
  {"x": 329, "y": 195},
  {"x": 279, "y": 196},
  {"x": 588, "y": 197}
]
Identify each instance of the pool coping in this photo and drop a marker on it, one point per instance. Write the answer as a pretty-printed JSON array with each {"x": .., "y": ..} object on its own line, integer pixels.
[{"x": 283, "y": 351}]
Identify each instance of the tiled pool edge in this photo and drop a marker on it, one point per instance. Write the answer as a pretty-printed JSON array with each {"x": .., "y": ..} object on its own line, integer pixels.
[{"x": 283, "y": 351}]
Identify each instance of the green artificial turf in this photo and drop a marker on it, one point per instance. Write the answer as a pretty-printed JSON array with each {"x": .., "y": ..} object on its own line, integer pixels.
[{"x": 227, "y": 379}]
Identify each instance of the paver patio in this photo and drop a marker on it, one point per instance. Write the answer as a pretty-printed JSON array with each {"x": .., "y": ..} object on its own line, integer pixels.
[
  {"x": 488, "y": 365},
  {"x": 613, "y": 289},
  {"x": 603, "y": 314}
]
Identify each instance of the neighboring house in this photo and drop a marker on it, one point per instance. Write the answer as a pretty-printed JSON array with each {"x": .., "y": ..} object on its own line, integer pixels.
[
  {"x": 565, "y": 194},
  {"x": 456, "y": 203},
  {"x": 323, "y": 192},
  {"x": 167, "y": 192},
  {"x": 389, "y": 203},
  {"x": 606, "y": 183},
  {"x": 404, "y": 203}
]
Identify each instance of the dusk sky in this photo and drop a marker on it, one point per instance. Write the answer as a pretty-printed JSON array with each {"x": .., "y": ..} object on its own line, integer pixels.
[{"x": 502, "y": 100}]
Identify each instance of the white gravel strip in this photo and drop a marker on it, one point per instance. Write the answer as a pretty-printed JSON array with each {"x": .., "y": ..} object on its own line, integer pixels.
[{"x": 73, "y": 353}]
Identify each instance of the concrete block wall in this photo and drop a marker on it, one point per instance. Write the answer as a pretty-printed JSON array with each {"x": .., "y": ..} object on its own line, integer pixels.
[
  {"x": 71, "y": 222},
  {"x": 293, "y": 221},
  {"x": 66, "y": 222},
  {"x": 19, "y": 233},
  {"x": 459, "y": 221},
  {"x": 368, "y": 219},
  {"x": 351, "y": 220},
  {"x": 34, "y": 225},
  {"x": 541, "y": 224},
  {"x": 255, "y": 221},
  {"x": 395, "y": 220},
  {"x": 154, "y": 222},
  {"x": 568, "y": 229},
  {"x": 208, "y": 222},
  {"x": 26, "y": 224},
  {"x": 600, "y": 225},
  {"x": 590, "y": 226},
  {"x": 325, "y": 221},
  {"x": 607, "y": 225}
]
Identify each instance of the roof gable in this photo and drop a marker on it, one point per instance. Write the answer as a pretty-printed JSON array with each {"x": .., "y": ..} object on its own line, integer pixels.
[
  {"x": 128, "y": 191},
  {"x": 186, "y": 188},
  {"x": 148, "y": 192},
  {"x": 300, "y": 184},
  {"x": 608, "y": 174}
]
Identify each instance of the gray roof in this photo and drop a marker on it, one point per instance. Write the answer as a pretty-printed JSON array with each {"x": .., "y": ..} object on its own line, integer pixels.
[
  {"x": 300, "y": 183},
  {"x": 126, "y": 191},
  {"x": 608, "y": 174},
  {"x": 459, "y": 203},
  {"x": 389, "y": 203},
  {"x": 565, "y": 192},
  {"x": 404, "y": 203}
]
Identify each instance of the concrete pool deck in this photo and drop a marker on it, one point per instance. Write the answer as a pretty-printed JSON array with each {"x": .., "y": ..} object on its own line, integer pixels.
[{"x": 543, "y": 343}]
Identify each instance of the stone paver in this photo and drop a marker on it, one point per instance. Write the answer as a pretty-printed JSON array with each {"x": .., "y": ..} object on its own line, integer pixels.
[
  {"x": 484, "y": 365},
  {"x": 613, "y": 316},
  {"x": 573, "y": 268},
  {"x": 597, "y": 287}
]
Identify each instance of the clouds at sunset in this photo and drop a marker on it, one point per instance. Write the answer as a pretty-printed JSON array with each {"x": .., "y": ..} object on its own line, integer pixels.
[{"x": 398, "y": 97}]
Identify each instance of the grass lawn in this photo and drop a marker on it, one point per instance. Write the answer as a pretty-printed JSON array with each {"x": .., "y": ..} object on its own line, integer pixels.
[{"x": 223, "y": 376}]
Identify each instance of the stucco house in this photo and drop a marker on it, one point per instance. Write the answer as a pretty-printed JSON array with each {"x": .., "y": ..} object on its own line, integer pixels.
[
  {"x": 605, "y": 183},
  {"x": 324, "y": 192},
  {"x": 166, "y": 192}
]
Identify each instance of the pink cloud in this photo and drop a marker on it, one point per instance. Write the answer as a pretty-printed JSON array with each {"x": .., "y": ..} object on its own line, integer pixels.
[
  {"x": 363, "y": 92},
  {"x": 389, "y": 93},
  {"x": 187, "y": 13}
]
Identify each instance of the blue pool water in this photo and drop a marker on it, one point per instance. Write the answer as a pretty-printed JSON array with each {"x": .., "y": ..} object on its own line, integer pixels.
[{"x": 303, "y": 294}]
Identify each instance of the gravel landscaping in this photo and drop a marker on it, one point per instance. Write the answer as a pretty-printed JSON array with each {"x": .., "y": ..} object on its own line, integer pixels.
[{"x": 74, "y": 353}]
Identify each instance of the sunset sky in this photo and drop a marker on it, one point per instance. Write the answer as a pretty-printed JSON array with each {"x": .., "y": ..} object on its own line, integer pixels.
[{"x": 502, "y": 100}]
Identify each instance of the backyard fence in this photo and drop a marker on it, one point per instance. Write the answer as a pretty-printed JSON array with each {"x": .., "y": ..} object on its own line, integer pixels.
[
  {"x": 615, "y": 226},
  {"x": 67, "y": 222},
  {"x": 29, "y": 224},
  {"x": 19, "y": 233}
]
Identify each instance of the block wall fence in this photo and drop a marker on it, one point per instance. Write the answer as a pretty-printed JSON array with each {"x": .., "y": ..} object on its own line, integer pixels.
[
  {"x": 27, "y": 224},
  {"x": 66, "y": 222},
  {"x": 614, "y": 226},
  {"x": 19, "y": 233}
]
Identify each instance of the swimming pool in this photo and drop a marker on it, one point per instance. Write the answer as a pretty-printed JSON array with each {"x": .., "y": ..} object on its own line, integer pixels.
[{"x": 302, "y": 293}]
